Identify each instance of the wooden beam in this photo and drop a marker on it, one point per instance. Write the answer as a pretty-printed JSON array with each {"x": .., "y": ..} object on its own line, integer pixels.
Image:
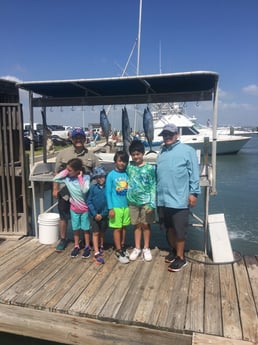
[
  {"x": 68, "y": 329},
  {"x": 204, "y": 339}
]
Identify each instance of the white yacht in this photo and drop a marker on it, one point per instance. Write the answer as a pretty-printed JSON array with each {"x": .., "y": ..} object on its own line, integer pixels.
[{"x": 191, "y": 133}]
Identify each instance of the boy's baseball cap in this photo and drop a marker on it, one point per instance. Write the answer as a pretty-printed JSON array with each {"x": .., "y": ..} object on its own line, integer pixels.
[{"x": 78, "y": 131}]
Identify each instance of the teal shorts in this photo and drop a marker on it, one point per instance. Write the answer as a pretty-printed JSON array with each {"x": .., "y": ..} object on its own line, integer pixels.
[
  {"x": 121, "y": 219},
  {"x": 80, "y": 221}
]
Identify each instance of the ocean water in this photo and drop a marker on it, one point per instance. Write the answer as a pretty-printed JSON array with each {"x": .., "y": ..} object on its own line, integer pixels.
[
  {"x": 237, "y": 199},
  {"x": 237, "y": 196}
]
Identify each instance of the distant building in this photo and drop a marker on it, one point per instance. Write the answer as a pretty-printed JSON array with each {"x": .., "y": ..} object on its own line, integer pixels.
[{"x": 9, "y": 93}]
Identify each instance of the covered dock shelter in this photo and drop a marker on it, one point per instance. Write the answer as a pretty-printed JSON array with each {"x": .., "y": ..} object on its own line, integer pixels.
[{"x": 196, "y": 86}]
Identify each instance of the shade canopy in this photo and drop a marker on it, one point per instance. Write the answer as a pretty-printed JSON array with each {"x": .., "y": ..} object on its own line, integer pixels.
[{"x": 159, "y": 88}]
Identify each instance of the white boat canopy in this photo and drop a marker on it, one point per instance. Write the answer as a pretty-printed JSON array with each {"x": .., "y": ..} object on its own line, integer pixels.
[{"x": 159, "y": 88}]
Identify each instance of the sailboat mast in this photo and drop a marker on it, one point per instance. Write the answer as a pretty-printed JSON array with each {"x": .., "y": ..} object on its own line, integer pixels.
[
  {"x": 139, "y": 38},
  {"x": 138, "y": 56},
  {"x": 160, "y": 57}
]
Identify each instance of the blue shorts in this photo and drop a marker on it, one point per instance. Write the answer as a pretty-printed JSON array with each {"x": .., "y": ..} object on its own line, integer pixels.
[{"x": 80, "y": 221}]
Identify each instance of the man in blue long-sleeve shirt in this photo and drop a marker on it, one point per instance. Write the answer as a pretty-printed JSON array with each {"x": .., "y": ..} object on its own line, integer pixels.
[{"x": 177, "y": 190}]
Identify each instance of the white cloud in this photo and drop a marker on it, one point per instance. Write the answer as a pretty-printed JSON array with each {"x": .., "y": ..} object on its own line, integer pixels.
[
  {"x": 238, "y": 106},
  {"x": 251, "y": 90},
  {"x": 11, "y": 78},
  {"x": 223, "y": 94}
]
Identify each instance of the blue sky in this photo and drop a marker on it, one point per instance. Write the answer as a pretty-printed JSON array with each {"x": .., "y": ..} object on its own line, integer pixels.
[{"x": 65, "y": 39}]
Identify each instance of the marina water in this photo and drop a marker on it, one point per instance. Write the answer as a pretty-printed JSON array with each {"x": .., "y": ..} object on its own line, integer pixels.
[{"x": 237, "y": 199}]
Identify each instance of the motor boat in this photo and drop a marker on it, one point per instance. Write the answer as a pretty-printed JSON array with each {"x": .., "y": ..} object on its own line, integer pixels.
[
  {"x": 246, "y": 131},
  {"x": 191, "y": 132}
]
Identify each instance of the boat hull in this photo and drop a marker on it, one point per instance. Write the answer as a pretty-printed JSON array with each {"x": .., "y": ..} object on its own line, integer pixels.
[{"x": 228, "y": 145}]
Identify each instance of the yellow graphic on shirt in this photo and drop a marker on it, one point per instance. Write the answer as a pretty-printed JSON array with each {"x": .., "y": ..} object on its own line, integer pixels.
[{"x": 121, "y": 187}]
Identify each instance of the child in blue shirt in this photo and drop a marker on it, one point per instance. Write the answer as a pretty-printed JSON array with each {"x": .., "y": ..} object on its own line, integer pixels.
[
  {"x": 98, "y": 210},
  {"x": 119, "y": 217}
]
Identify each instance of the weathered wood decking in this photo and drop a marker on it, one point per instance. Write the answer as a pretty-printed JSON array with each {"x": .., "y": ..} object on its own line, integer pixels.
[{"x": 51, "y": 296}]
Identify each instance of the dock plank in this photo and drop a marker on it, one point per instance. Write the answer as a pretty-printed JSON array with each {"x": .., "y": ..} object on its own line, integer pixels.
[
  {"x": 166, "y": 294},
  {"x": 151, "y": 290},
  {"x": 16, "y": 256},
  {"x": 20, "y": 292},
  {"x": 163, "y": 297},
  {"x": 59, "y": 284},
  {"x": 17, "y": 273},
  {"x": 213, "y": 319},
  {"x": 176, "y": 314},
  {"x": 91, "y": 287},
  {"x": 8, "y": 245},
  {"x": 134, "y": 294},
  {"x": 230, "y": 311},
  {"x": 252, "y": 266},
  {"x": 111, "y": 302},
  {"x": 247, "y": 308},
  {"x": 195, "y": 306}
]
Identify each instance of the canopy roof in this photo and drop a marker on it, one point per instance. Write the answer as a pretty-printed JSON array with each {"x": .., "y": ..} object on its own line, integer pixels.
[{"x": 159, "y": 88}]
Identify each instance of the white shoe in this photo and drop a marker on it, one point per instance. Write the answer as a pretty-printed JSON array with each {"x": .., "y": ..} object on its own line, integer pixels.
[
  {"x": 135, "y": 253},
  {"x": 147, "y": 254},
  {"x": 126, "y": 253},
  {"x": 120, "y": 256}
]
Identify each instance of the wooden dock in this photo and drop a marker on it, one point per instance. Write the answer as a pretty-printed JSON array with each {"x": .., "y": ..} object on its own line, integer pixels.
[{"x": 51, "y": 296}]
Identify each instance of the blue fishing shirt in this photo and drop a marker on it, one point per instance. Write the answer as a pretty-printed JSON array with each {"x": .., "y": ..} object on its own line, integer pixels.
[{"x": 177, "y": 175}]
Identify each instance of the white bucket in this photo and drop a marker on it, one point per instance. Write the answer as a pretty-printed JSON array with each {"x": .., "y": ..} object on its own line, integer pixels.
[{"x": 48, "y": 227}]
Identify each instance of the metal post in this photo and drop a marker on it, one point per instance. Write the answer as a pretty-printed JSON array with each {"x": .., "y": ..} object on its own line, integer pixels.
[
  {"x": 214, "y": 139},
  {"x": 207, "y": 192},
  {"x": 31, "y": 130},
  {"x": 206, "y": 214}
]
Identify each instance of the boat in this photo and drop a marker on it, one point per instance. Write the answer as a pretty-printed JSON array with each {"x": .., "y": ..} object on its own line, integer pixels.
[
  {"x": 191, "y": 132},
  {"x": 234, "y": 130}
]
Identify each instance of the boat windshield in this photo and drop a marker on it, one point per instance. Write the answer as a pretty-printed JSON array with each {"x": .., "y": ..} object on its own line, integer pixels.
[{"x": 188, "y": 130}]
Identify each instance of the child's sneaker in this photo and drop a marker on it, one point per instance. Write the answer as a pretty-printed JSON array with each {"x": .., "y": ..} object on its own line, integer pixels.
[
  {"x": 61, "y": 245},
  {"x": 86, "y": 253},
  {"x": 126, "y": 253},
  {"x": 120, "y": 256},
  {"x": 135, "y": 254},
  {"x": 99, "y": 259},
  {"x": 75, "y": 252},
  {"x": 147, "y": 254}
]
